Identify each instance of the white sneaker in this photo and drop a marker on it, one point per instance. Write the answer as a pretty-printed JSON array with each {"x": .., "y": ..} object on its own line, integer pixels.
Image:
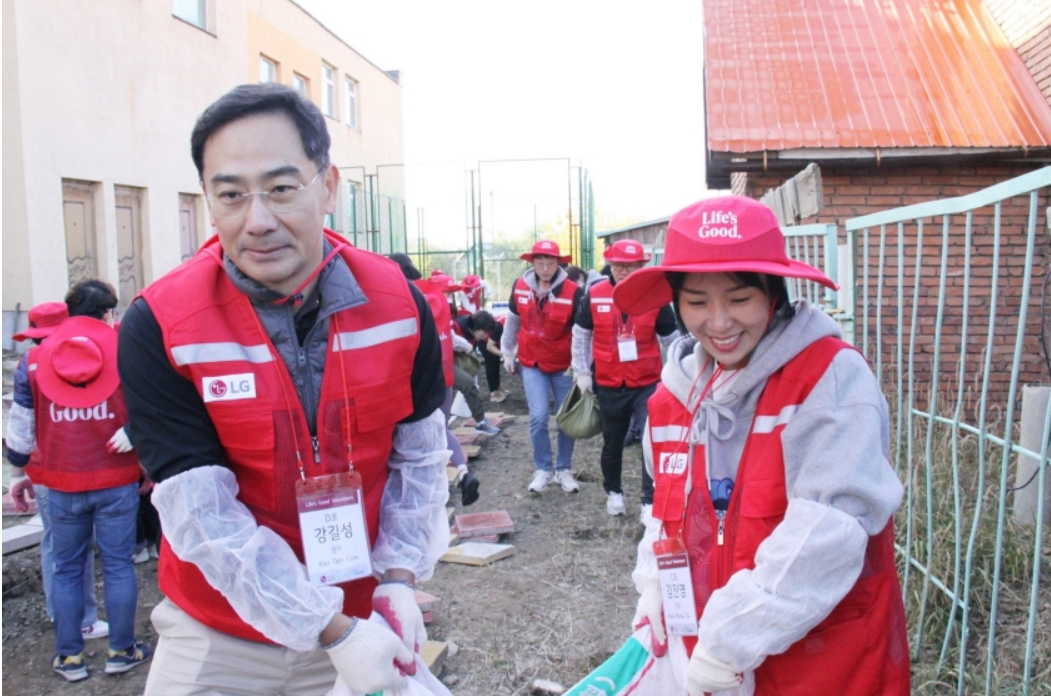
[
  {"x": 141, "y": 556},
  {"x": 615, "y": 505},
  {"x": 99, "y": 629},
  {"x": 152, "y": 550},
  {"x": 540, "y": 480},
  {"x": 646, "y": 513},
  {"x": 565, "y": 477}
]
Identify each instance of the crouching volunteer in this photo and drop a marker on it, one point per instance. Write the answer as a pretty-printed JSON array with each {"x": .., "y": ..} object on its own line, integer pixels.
[
  {"x": 435, "y": 294},
  {"x": 539, "y": 327},
  {"x": 768, "y": 443},
  {"x": 627, "y": 364},
  {"x": 284, "y": 391}
]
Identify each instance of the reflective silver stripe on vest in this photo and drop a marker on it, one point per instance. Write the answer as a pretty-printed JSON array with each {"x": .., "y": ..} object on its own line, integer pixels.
[
  {"x": 523, "y": 292},
  {"x": 196, "y": 353},
  {"x": 391, "y": 331},
  {"x": 766, "y": 424},
  {"x": 558, "y": 300},
  {"x": 668, "y": 433},
  {"x": 601, "y": 300}
]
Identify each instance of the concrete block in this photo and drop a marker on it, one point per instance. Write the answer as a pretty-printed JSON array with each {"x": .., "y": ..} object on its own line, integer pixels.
[
  {"x": 475, "y": 524},
  {"x": 477, "y": 554},
  {"x": 21, "y": 537},
  {"x": 434, "y": 653}
]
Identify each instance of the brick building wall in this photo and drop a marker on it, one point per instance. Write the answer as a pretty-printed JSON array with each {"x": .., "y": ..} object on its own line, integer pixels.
[
  {"x": 851, "y": 192},
  {"x": 1027, "y": 26}
]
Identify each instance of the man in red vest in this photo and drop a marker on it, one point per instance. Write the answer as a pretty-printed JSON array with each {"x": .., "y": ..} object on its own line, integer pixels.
[
  {"x": 626, "y": 354},
  {"x": 284, "y": 390},
  {"x": 539, "y": 328}
]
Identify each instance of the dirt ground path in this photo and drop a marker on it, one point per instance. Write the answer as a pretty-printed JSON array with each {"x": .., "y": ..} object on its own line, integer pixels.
[{"x": 556, "y": 609}]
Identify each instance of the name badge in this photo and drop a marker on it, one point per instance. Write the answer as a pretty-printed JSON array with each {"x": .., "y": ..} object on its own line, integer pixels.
[
  {"x": 627, "y": 348},
  {"x": 332, "y": 524},
  {"x": 673, "y": 569}
]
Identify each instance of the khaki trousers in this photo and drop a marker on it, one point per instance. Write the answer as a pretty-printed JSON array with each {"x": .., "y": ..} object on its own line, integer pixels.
[{"x": 194, "y": 659}]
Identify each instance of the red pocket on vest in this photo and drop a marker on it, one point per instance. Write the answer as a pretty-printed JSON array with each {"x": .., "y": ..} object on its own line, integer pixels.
[{"x": 249, "y": 445}]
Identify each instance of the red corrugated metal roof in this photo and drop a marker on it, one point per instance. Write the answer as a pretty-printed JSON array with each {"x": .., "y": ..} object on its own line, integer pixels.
[{"x": 786, "y": 74}]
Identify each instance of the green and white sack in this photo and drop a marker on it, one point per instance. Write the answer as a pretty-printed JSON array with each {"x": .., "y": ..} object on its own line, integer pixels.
[{"x": 579, "y": 415}]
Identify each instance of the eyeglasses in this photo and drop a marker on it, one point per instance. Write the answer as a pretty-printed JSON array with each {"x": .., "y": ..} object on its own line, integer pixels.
[{"x": 280, "y": 198}]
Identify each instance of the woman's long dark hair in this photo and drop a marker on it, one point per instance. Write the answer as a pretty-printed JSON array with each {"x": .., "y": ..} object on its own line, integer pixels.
[{"x": 773, "y": 286}]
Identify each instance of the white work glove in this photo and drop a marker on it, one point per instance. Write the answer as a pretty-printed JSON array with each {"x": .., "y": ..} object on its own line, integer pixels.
[
  {"x": 22, "y": 491},
  {"x": 119, "y": 443},
  {"x": 583, "y": 381},
  {"x": 707, "y": 675},
  {"x": 650, "y": 611},
  {"x": 396, "y": 602},
  {"x": 509, "y": 363},
  {"x": 369, "y": 659}
]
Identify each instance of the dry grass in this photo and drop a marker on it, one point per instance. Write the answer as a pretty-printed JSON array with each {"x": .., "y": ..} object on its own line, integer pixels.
[{"x": 958, "y": 495}]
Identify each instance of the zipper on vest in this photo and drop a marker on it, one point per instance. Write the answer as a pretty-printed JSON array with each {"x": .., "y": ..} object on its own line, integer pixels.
[
  {"x": 317, "y": 452},
  {"x": 722, "y": 528}
]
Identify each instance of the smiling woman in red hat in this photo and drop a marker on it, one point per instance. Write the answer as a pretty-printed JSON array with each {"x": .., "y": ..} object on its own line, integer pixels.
[
  {"x": 539, "y": 328},
  {"x": 619, "y": 357},
  {"x": 768, "y": 444}
]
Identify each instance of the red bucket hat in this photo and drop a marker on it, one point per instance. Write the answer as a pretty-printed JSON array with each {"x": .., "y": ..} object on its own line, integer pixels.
[
  {"x": 626, "y": 251},
  {"x": 445, "y": 282},
  {"x": 43, "y": 320},
  {"x": 470, "y": 282},
  {"x": 716, "y": 235},
  {"x": 77, "y": 365},
  {"x": 545, "y": 247}
]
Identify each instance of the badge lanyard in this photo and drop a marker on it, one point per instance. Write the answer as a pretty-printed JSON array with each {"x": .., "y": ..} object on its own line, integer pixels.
[
  {"x": 627, "y": 348},
  {"x": 331, "y": 507},
  {"x": 673, "y": 563}
]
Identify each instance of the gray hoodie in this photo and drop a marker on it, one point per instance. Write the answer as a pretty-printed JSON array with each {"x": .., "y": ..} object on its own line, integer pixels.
[{"x": 841, "y": 487}]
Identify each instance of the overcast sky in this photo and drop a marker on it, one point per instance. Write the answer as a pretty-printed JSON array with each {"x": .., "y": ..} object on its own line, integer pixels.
[{"x": 614, "y": 87}]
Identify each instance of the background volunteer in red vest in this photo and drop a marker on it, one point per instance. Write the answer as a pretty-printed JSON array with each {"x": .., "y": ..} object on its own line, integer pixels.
[
  {"x": 539, "y": 329},
  {"x": 473, "y": 295},
  {"x": 768, "y": 441},
  {"x": 285, "y": 393},
  {"x": 466, "y": 481},
  {"x": 462, "y": 381},
  {"x": 92, "y": 477},
  {"x": 21, "y": 438},
  {"x": 619, "y": 357},
  {"x": 485, "y": 332}
]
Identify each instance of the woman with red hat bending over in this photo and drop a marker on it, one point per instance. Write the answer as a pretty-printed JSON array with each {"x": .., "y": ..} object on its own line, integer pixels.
[
  {"x": 539, "y": 328},
  {"x": 768, "y": 444}
]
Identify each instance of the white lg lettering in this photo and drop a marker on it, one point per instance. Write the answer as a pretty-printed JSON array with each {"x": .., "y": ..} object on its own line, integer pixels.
[
  {"x": 673, "y": 463},
  {"x": 229, "y": 387}
]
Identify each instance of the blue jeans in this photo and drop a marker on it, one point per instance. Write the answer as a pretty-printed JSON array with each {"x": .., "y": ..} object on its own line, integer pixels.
[
  {"x": 537, "y": 386},
  {"x": 47, "y": 565},
  {"x": 111, "y": 513}
]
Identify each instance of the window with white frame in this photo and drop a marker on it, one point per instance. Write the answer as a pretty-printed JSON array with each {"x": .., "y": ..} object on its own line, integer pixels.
[
  {"x": 351, "y": 103},
  {"x": 328, "y": 90},
  {"x": 301, "y": 85},
  {"x": 267, "y": 70},
  {"x": 193, "y": 12}
]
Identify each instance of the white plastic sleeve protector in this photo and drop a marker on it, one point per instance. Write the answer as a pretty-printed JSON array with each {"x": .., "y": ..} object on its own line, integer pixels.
[
  {"x": 414, "y": 528},
  {"x": 21, "y": 429},
  {"x": 802, "y": 571},
  {"x": 581, "y": 351},
  {"x": 647, "y": 449},
  {"x": 509, "y": 342},
  {"x": 250, "y": 565},
  {"x": 461, "y": 344}
]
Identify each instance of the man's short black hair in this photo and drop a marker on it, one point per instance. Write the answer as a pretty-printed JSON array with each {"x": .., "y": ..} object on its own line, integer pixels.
[
  {"x": 408, "y": 268},
  {"x": 483, "y": 321},
  {"x": 91, "y": 298},
  {"x": 251, "y": 100}
]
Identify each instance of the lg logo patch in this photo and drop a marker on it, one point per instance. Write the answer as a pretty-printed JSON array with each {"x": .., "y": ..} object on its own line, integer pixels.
[{"x": 229, "y": 387}]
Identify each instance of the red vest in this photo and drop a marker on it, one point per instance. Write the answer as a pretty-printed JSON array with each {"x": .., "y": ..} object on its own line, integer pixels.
[
  {"x": 442, "y": 320},
  {"x": 71, "y": 454},
  {"x": 861, "y": 648},
  {"x": 474, "y": 297},
  {"x": 214, "y": 338},
  {"x": 607, "y": 322},
  {"x": 545, "y": 340}
]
